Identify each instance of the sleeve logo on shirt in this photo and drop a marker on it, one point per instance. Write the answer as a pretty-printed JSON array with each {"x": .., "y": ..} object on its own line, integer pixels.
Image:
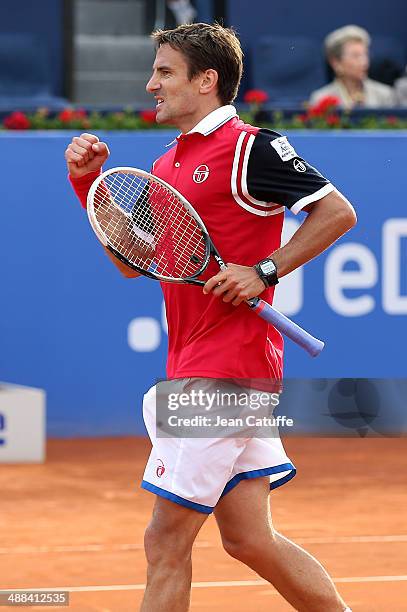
[
  {"x": 283, "y": 148},
  {"x": 201, "y": 173},
  {"x": 299, "y": 165}
]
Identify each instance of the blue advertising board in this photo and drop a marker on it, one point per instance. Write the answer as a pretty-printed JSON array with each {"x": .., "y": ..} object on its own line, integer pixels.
[{"x": 95, "y": 341}]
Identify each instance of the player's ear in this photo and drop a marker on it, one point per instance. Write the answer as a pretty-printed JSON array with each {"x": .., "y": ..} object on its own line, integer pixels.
[{"x": 209, "y": 81}]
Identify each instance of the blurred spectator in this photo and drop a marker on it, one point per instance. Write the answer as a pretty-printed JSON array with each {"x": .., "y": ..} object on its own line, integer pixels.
[
  {"x": 347, "y": 51},
  {"x": 400, "y": 87},
  {"x": 182, "y": 10},
  {"x": 386, "y": 70}
]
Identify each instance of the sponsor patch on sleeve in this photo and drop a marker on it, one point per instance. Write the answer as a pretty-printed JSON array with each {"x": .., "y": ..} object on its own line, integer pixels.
[{"x": 283, "y": 148}]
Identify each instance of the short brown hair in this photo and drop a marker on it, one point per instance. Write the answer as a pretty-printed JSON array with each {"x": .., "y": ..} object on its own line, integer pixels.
[{"x": 207, "y": 47}]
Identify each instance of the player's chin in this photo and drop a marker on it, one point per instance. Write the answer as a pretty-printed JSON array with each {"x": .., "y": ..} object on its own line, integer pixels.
[{"x": 161, "y": 116}]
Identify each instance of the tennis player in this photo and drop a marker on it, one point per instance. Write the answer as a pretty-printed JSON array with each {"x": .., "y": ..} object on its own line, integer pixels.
[{"x": 240, "y": 179}]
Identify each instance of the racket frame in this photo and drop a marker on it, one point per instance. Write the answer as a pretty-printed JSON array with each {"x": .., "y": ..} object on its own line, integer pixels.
[
  {"x": 209, "y": 246},
  {"x": 264, "y": 310}
]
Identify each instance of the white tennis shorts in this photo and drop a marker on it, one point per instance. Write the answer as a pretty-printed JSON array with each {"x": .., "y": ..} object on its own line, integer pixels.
[{"x": 196, "y": 472}]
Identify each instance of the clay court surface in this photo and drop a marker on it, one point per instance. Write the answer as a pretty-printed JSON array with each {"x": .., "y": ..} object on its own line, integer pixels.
[{"x": 77, "y": 523}]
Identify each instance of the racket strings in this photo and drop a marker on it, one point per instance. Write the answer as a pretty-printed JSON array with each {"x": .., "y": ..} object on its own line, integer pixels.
[
  {"x": 175, "y": 244},
  {"x": 178, "y": 235},
  {"x": 149, "y": 226},
  {"x": 162, "y": 206},
  {"x": 184, "y": 230}
]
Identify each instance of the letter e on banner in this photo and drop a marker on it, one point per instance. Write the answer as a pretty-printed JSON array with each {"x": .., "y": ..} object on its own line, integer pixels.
[{"x": 337, "y": 279}]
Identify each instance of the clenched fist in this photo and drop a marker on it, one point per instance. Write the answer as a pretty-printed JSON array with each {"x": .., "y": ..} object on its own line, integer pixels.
[{"x": 85, "y": 154}]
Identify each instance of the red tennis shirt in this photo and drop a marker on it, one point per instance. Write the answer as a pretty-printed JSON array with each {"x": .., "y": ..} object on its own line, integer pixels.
[{"x": 240, "y": 179}]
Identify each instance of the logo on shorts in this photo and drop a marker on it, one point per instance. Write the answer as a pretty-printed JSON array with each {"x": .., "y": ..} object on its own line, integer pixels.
[
  {"x": 160, "y": 469},
  {"x": 299, "y": 165},
  {"x": 201, "y": 173}
]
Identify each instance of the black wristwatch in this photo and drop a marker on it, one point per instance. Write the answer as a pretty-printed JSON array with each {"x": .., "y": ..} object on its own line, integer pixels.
[{"x": 267, "y": 270}]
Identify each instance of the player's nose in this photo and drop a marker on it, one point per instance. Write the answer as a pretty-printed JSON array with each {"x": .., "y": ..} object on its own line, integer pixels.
[{"x": 152, "y": 85}]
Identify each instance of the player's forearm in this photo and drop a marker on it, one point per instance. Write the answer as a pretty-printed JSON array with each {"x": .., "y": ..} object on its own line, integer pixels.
[
  {"x": 82, "y": 185},
  {"x": 125, "y": 270},
  {"x": 326, "y": 221}
]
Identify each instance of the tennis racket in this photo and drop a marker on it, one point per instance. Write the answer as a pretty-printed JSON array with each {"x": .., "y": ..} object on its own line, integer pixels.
[{"x": 153, "y": 229}]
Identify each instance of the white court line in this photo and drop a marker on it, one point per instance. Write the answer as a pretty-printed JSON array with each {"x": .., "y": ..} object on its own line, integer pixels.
[
  {"x": 20, "y": 550},
  {"x": 123, "y": 547},
  {"x": 202, "y": 585},
  {"x": 352, "y": 539}
]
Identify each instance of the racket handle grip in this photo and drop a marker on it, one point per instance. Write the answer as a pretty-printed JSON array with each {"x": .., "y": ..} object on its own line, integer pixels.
[{"x": 312, "y": 345}]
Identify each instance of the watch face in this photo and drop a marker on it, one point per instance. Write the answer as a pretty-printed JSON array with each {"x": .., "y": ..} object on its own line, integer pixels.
[{"x": 267, "y": 267}]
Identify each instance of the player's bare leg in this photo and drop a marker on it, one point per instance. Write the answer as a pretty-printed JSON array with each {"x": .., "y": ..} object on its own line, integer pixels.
[
  {"x": 168, "y": 544},
  {"x": 244, "y": 520}
]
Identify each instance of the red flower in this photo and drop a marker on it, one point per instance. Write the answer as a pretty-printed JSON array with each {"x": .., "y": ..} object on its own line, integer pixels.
[
  {"x": 17, "y": 121},
  {"x": 66, "y": 115},
  {"x": 328, "y": 102},
  {"x": 303, "y": 118},
  {"x": 333, "y": 120},
  {"x": 315, "y": 111},
  {"x": 255, "y": 96},
  {"x": 325, "y": 105},
  {"x": 148, "y": 116},
  {"x": 69, "y": 114},
  {"x": 392, "y": 120}
]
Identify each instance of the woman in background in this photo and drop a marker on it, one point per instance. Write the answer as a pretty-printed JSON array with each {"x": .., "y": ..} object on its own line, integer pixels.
[{"x": 347, "y": 51}]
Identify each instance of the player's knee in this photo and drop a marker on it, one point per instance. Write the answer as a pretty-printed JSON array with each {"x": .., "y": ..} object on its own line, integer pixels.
[
  {"x": 151, "y": 544},
  {"x": 243, "y": 547},
  {"x": 164, "y": 546}
]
